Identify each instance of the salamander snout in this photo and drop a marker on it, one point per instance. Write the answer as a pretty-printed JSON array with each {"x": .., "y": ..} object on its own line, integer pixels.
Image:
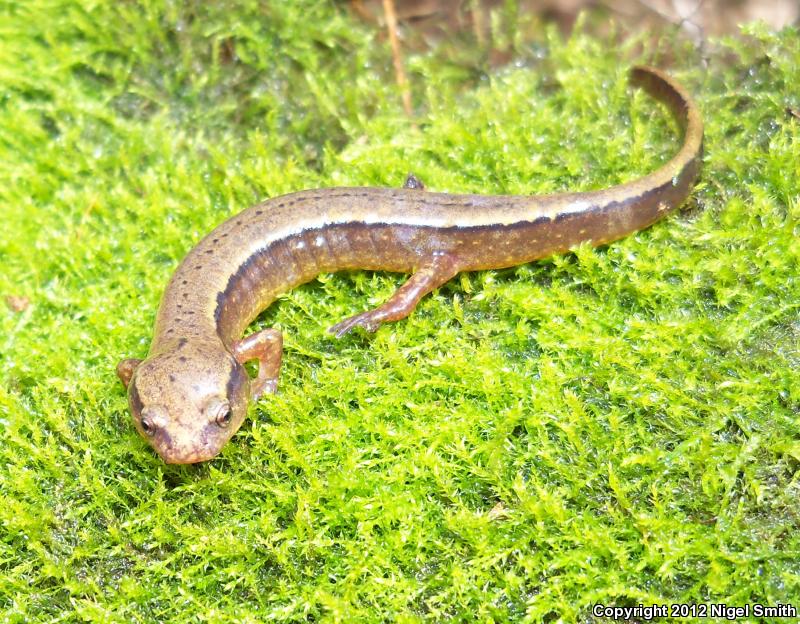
[{"x": 187, "y": 409}]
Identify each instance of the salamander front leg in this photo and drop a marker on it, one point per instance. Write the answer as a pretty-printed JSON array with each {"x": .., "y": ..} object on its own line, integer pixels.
[
  {"x": 125, "y": 370},
  {"x": 441, "y": 269},
  {"x": 266, "y": 346}
]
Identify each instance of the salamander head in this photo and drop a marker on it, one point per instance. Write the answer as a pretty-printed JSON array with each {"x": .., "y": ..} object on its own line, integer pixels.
[{"x": 188, "y": 401}]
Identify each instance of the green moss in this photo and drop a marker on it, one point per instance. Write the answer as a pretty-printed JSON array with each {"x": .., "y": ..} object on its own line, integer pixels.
[{"x": 616, "y": 425}]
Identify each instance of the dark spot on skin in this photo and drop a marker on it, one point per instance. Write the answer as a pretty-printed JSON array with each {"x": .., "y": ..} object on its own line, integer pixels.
[
  {"x": 216, "y": 240},
  {"x": 172, "y": 378},
  {"x": 185, "y": 295},
  {"x": 198, "y": 267},
  {"x": 184, "y": 282},
  {"x": 182, "y": 358},
  {"x": 182, "y": 343},
  {"x": 171, "y": 330},
  {"x": 209, "y": 251},
  {"x": 259, "y": 212}
]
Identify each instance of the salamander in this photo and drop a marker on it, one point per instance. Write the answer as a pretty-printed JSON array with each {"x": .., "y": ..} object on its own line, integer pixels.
[{"x": 191, "y": 393}]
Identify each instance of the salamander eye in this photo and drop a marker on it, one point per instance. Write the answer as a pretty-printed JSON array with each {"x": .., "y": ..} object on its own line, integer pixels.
[
  {"x": 219, "y": 410},
  {"x": 224, "y": 418},
  {"x": 151, "y": 420},
  {"x": 148, "y": 427}
]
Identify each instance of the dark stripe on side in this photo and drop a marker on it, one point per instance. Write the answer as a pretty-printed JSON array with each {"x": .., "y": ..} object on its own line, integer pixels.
[
  {"x": 396, "y": 247},
  {"x": 134, "y": 399}
]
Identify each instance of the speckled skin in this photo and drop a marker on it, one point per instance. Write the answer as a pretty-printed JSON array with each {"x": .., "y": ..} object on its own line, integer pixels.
[{"x": 191, "y": 393}]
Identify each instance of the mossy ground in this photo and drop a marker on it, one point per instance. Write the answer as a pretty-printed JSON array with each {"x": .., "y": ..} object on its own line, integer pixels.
[{"x": 618, "y": 425}]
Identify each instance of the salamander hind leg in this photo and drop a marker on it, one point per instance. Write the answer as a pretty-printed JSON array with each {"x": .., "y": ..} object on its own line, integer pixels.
[
  {"x": 441, "y": 269},
  {"x": 266, "y": 346}
]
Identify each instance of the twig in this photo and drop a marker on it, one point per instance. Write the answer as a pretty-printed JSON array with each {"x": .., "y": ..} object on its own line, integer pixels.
[
  {"x": 399, "y": 71},
  {"x": 479, "y": 23}
]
